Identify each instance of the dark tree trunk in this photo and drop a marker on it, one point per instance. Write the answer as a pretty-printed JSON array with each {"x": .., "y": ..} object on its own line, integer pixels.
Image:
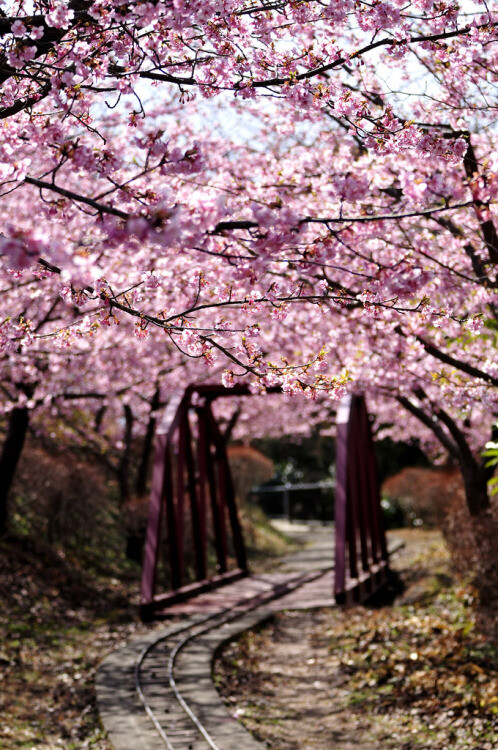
[
  {"x": 475, "y": 480},
  {"x": 477, "y": 523},
  {"x": 124, "y": 464},
  {"x": 485, "y": 572},
  {"x": 484, "y": 525},
  {"x": 474, "y": 472},
  {"x": 99, "y": 417},
  {"x": 143, "y": 469},
  {"x": 476, "y": 476},
  {"x": 11, "y": 452},
  {"x": 133, "y": 542},
  {"x": 136, "y": 533}
]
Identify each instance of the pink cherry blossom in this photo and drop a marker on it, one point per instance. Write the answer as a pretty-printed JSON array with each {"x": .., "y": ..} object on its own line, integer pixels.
[
  {"x": 18, "y": 29},
  {"x": 301, "y": 195}
]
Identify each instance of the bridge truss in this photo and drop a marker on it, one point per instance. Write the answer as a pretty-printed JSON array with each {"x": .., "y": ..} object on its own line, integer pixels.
[{"x": 194, "y": 537}]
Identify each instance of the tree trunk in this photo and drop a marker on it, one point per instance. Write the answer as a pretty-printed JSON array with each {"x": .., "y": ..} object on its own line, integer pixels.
[
  {"x": 475, "y": 480},
  {"x": 124, "y": 464},
  {"x": 485, "y": 573},
  {"x": 11, "y": 452},
  {"x": 479, "y": 524},
  {"x": 472, "y": 531},
  {"x": 143, "y": 469}
]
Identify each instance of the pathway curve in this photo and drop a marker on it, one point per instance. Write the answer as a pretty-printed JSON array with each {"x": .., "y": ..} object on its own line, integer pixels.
[{"x": 138, "y": 685}]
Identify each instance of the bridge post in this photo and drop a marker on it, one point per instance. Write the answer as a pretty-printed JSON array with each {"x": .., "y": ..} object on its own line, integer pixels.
[
  {"x": 361, "y": 558},
  {"x": 149, "y": 568}
]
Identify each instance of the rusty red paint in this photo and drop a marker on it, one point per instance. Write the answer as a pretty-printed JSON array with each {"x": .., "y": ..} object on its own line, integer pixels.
[
  {"x": 361, "y": 561},
  {"x": 182, "y": 480},
  {"x": 361, "y": 558},
  {"x": 155, "y": 516}
]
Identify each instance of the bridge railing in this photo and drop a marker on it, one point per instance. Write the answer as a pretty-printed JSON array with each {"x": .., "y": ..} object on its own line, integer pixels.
[
  {"x": 361, "y": 557},
  {"x": 191, "y": 492},
  {"x": 193, "y": 519}
]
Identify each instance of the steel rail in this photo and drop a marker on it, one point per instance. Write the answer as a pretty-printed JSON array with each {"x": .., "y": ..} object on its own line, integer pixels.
[
  {"x": 138, "y": 664},
  {"x": 200, "y": 627}
]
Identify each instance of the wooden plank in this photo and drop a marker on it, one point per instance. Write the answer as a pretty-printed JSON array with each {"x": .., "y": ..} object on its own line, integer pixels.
[{"x": 158, "y": 607}]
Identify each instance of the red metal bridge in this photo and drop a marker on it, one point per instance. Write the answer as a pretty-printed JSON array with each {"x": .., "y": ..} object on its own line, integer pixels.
[{"x": 194, "y": 538}]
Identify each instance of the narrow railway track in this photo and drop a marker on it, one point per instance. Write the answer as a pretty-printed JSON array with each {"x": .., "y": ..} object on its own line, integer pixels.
[{"x": 166, "y": 681}]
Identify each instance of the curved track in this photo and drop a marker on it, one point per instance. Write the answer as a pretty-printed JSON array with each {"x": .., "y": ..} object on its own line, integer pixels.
[{"x": 164, "y": 685}]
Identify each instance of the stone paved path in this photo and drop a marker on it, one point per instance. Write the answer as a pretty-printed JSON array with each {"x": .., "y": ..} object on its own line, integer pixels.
[{"x": 121, "y": 711}]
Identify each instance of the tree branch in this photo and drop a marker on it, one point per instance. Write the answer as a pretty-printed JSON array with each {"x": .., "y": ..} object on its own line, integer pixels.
[
  {"x": 99, "y": 207},
  {"x": 340, "y": 61},
  {"x": 429, "y": 422},
  {"x": 248, "y": 224},
  {"x": 488, "y": 228},
  {"x": 474, "y": 372}
]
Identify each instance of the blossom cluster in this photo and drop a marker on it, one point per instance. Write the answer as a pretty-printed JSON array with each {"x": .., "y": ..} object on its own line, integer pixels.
[{"x": 251, "y": 193}]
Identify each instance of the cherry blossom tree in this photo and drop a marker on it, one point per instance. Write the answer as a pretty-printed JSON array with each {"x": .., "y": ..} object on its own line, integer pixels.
[
  {"x": 299, "y": 193},
  {"x": 96, "y": 393}
]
